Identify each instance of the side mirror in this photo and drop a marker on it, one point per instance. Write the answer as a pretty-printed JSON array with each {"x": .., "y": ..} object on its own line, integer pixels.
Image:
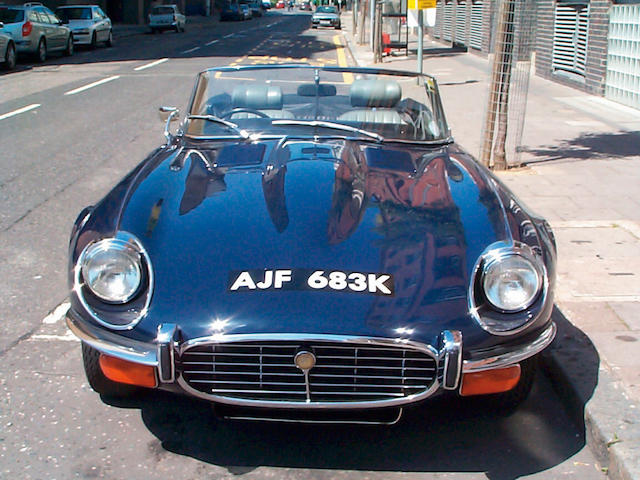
[
  {"x": 1, "y": 25},
  {"x": 166, "y": 113}
]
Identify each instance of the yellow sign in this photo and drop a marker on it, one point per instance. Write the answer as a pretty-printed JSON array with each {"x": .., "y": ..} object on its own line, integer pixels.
[{"x": 421, "y": 4}]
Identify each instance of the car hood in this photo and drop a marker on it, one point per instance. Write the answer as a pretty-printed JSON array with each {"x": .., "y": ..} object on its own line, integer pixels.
[{"x": 421, "y": 216}]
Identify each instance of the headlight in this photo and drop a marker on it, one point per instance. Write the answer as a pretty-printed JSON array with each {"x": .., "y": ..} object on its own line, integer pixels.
[
  {"x": 112, "y": 270},
  {"x": 511, "y": 283}
]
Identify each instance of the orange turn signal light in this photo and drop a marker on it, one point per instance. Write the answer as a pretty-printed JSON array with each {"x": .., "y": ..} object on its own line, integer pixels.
[
  {"x": 131, "y": 373},
  {"x": 490, "y": 381}
]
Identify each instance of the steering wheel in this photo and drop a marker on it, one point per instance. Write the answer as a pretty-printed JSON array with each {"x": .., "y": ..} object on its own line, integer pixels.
[{"x": 245, "y": 110}]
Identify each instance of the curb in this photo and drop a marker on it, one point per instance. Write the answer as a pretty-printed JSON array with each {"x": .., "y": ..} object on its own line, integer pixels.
[
  {"x": 589, "y": 391},
  {"x": 595, "y": 398}
]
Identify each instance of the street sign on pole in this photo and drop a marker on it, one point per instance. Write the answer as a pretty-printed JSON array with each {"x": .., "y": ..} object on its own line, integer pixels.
[{"x": 421, "y": 4}]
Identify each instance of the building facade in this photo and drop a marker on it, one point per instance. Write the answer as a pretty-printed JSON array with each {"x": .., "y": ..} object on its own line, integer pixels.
[{"x": 592, "y": 45}]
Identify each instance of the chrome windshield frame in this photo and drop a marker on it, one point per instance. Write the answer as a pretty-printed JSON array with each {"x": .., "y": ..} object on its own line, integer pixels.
[{"x": 436, "y": 101}]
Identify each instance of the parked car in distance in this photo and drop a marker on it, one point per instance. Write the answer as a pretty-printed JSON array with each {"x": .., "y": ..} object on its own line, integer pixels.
[
  {"x": 36, "y": 30},
  {"x": 7, "y": 50},
  {"x": 326, "y": 16},
  {"x": 256, "y": 9},
  {"x": 266, "y": 4},
  {"x": 89, "y": 24},
  {"x": 312, "y": 242},
  {"x": 246, "y": 11},
  {"x": 231, "y": 11},
  {"x": 305, "y": 6},
  {"x": 280, "y": 4},
  {"x": 166, "y": 17}
]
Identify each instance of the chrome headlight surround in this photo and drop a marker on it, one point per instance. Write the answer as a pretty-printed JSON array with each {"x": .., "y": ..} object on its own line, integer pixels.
[
  {"x": 505, "y": 319},
  {"x": 121, "y": 313},
  {"x": 107, "y": 263}
]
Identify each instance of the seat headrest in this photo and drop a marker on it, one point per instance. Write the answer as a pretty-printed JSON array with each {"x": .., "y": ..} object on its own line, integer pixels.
[
  {"x": 258, "y": 97},
  {"x": 375, "y": 93}
]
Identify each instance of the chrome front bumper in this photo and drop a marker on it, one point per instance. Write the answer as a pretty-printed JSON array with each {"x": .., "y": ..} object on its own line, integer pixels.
[{"x": 161, "y": 354}]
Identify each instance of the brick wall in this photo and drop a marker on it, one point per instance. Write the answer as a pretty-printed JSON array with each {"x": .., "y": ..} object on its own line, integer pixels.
[{"x": 596, "y": 60}]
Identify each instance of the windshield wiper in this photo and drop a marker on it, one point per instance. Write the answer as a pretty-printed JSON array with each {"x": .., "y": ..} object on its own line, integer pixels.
[
  {"x": 323, "y": 124},
  {"x": 220, "y": 121}
]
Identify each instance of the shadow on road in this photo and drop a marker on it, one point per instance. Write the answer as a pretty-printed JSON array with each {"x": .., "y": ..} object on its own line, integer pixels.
[
  {"x": 590, "y": 146},
  {"x": 443, "y": 435}
]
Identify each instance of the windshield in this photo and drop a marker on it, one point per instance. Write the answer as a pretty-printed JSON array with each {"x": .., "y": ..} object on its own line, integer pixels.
[
  {"x": 162, "y": 10},
  {"x": 66, "y": 14},
  {"x": 304, "y": 100},
  {"x": 326, "y": 10},
  {"x": 11, "y": 15}
]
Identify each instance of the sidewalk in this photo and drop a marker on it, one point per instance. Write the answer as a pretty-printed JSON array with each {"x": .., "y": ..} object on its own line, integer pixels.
[{"x": 583, "y": 175}]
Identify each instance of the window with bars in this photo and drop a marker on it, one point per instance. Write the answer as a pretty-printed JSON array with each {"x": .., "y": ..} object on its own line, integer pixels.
[
  {"x": 475, "y": 34},
  {"x": 570, "y": 37},
  {"x": 461, "y": 22}
]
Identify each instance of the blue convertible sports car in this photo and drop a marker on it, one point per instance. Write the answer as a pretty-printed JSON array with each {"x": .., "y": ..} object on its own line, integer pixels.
[{"x": 310, "y": 242}]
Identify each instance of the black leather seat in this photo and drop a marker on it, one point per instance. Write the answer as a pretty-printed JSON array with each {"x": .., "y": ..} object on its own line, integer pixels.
[
  {"x": 374, "y": 101},
  {"x": 266, "y": 99}
]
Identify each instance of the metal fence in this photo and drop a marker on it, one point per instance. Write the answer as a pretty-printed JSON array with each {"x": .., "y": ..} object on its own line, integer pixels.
[{"x": 513, "y": 45}]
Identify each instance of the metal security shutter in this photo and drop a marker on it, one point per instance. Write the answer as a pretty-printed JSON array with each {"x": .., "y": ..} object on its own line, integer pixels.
[
  {"x": 439, "y": 19},
  {"x": 570, "y": 37},
  {"x": 461, "y": 22},
  {"x": 623, "y": 58},
  {"x": 447, "y": 22},
  {"x": 475, "y": 37}
]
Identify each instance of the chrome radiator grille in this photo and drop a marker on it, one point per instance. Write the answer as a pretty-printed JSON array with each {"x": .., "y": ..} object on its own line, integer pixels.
[{"x": 344, "y": 372}]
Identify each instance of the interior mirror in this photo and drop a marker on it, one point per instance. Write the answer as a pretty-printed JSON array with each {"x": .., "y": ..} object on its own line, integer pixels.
[
  {"x": 165, "y": 112},
  {"x": 316, "y": 90}
]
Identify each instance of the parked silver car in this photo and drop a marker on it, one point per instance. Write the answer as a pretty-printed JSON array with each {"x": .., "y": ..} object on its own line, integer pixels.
[
  {"x": 7, "y": 50},
  {"x": 326, "y": 16},
  {"x": 36, "y": 30},
  {"x": 166, "y": 17},
  {"x": 89, "y": 24}
]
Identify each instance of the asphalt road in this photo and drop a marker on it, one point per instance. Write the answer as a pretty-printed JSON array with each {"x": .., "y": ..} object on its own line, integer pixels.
[{"x": 69, "y": 129}]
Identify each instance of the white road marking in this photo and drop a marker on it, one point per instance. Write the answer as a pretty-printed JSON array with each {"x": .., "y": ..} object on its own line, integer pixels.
[
  {"x": 230, "y": 35},
  {"x": 211, "y": 43},
  {"x": 67, "y": 337},
  {"x": 191, "y": 50},
  {"x": 58, "y": 314},
  {"x": 152, "y": 64},
  {"x": 19, "y": 111},
  {"x": 91, "y": 85}
]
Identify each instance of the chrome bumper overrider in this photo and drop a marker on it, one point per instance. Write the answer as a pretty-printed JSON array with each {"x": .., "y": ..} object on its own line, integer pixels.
[{"x": 162, "y": 353}]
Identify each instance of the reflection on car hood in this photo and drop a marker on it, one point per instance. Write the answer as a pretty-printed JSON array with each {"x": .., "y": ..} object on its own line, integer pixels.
[{"x": 420, "y": 215}]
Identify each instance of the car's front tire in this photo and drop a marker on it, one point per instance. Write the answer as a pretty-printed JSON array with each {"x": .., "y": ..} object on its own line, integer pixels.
[
  {"x": 109, "y": 41},
  {"x": 94, "y": 40},
  {"x": 97, "y": 379}
]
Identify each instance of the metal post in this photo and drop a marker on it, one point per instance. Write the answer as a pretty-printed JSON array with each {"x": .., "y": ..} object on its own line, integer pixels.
[
  {"x": 377, "y": 35},
  {"x": 420, "y": 41},
  {"x": 354, "y": 17}
]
